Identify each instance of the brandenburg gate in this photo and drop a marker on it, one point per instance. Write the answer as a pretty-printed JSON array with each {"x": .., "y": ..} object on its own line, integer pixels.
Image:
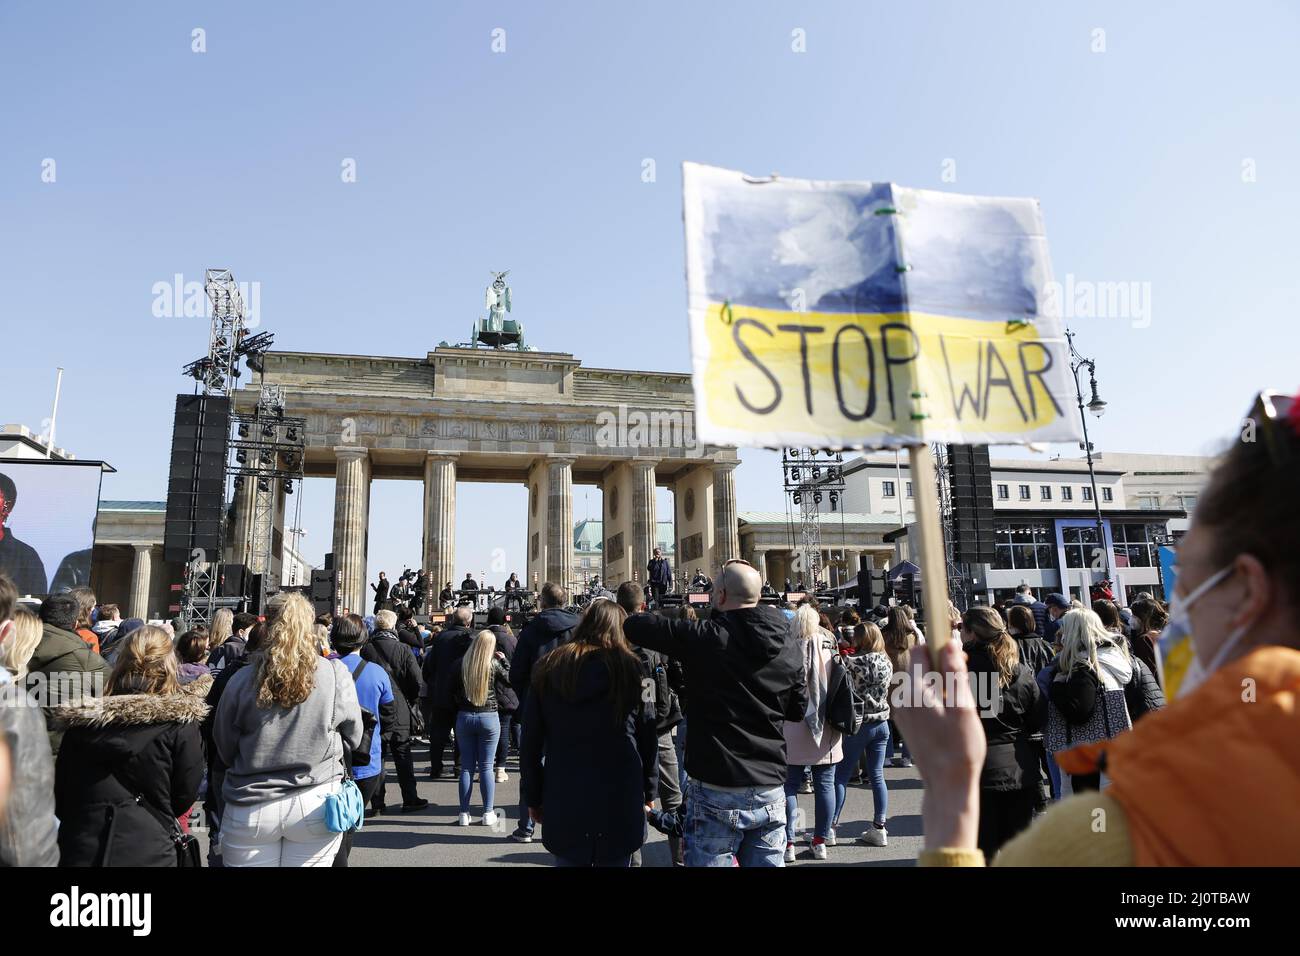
[{"x": 539, "y": 419}]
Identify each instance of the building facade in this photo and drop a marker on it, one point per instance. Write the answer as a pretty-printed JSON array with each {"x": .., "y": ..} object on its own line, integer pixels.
[{"x": 1045, "y": 518}]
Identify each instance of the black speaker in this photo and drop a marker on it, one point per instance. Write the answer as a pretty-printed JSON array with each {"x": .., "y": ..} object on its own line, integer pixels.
[
  {"x": 196, "y": 478},
  {"x": 255, "y": 593},
  {"x": 232, "y": 580},
  {"x": 323, "y": 585},
  {"x": 971, "y": 491}
]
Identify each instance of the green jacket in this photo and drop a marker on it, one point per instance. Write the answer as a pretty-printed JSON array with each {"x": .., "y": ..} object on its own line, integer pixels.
[{"x": 63, "y": 669}]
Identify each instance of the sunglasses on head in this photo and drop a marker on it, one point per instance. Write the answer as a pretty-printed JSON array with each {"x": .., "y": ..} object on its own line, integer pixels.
[{"x": 1277, "y": 417}]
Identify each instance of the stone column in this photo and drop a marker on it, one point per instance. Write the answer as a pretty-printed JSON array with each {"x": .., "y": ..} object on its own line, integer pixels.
[
  {"x": 440, "y": 521},
  {"x": 726, "y": 536},
  {"x": 760, "y": 563},
  {"x": 559, "y": 522},
  {"x": 851, "y": 564},
  {"x": 645, "y": 526},
  {"x": 351, "y": 525},
  {"x": 141, "y": 572}
]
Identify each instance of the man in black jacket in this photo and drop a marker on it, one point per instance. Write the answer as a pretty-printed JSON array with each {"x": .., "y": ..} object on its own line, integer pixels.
[
  {"x": 668, "y": 714},
  {"x": 419, "y": 591},
  {"x": 385, "y": 649},
  {"x": 551, "y": 627},
  {"x": 440, "y": 663},
  {"x": 747, "y": 679},
  {"x": 381, "y": 591}
]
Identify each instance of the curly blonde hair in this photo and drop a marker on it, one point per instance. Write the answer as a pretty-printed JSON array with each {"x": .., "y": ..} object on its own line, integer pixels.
[
  {"x": 286, "y": 660},
  {"x": 146, "y": 664}
]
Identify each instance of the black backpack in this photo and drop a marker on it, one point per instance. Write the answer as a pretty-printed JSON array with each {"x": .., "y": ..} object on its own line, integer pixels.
[
  {"x": 844, "y": 708},
  {"x": 361, "y": 756}
]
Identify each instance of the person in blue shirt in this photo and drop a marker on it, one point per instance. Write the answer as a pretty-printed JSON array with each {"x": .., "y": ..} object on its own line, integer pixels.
[{"x": 375, "y": 694}]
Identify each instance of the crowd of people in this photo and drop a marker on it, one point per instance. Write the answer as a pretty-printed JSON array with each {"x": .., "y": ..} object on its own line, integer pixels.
[
  {"x": 256, "y": 720},
  {"x": 115, "y": 731}
]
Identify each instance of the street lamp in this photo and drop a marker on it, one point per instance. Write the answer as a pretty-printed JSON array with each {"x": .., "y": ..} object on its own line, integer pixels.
[{"x": 1097, "y": 406}]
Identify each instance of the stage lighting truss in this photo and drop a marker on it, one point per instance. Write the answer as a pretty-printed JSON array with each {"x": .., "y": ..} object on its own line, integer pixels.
[
  {"x": 217, "y": 371},
  {"x": 809, "y": 481}
]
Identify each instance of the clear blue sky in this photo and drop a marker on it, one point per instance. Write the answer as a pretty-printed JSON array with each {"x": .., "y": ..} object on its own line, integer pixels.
[{"x": 467, "y": 160}]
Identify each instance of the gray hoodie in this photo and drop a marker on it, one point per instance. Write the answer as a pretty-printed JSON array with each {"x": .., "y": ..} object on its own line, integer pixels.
[{"x": 270, "y": 752}]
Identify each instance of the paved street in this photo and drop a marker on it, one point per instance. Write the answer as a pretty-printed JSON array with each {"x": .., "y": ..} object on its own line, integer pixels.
[{"x": 431, "y": 837}]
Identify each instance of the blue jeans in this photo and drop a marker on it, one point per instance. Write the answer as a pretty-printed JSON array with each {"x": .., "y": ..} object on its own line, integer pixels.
[
  {"x": 823, "y": 799},
  {"x": 873, "y": 738},
  {"x": 747, "y": 826},
  {"x": 477, "y": 736}
]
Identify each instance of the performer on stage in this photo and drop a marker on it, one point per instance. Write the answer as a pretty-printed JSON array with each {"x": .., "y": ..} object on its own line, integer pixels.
[
  {"x": 382, "y": 591},
  {"x": 701, "y": 582},
  {"x": 469, "y": 584},
  {"x": 513, "y": 587},
  {"x": 660, "y": 576},
  {"x": 447, "y": 597}
]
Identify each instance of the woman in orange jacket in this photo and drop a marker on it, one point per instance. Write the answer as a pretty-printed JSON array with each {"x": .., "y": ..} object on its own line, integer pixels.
[{"x": 1214, "y": 778}]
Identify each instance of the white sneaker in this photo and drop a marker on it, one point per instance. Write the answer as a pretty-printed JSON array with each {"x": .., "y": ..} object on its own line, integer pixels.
[
  {"x": 875, "y": 836},
  {"x": 830, "y": 837},
  {"x": 490, "y": 818},
  {"x": 819, "y": 851},
  {"x": 502, "y": 776},
  {"x": 789, "y": 853},
  {"x": 463, "y": 820}
]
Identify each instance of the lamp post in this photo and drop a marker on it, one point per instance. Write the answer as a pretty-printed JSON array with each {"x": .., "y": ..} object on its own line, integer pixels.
[{"x": 1097, "y": 407}]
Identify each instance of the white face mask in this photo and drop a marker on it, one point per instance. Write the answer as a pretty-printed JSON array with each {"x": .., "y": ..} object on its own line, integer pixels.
[{"x": 1180, "y": 624}]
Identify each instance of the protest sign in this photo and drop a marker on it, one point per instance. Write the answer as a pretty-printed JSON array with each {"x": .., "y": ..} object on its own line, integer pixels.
[{"x": 870, "y": 315}]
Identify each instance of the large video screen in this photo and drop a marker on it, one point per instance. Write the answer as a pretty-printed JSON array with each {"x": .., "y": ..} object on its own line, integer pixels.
[{"x": 47, "y": 514}]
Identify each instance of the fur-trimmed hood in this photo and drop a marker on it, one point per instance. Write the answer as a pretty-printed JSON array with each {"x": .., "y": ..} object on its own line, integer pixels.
[{"x": 135, "y": 710}]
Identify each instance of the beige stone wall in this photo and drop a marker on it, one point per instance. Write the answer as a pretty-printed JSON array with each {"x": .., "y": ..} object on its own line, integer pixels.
[
  {"x": 693, "y": 494},
  {"x": 539, "y": 490},
  {"x": 620, "y": 546}
]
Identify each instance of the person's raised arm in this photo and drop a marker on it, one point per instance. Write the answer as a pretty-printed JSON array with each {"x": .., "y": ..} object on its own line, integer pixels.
[{"x": 674, "y": 638}]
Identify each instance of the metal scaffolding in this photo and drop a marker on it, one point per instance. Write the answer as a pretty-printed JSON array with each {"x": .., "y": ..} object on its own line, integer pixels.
[{"x": 811, "y": 477}]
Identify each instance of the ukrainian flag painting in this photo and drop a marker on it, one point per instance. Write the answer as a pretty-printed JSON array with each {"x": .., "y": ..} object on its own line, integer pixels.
[{"x": 838, "y": 314}]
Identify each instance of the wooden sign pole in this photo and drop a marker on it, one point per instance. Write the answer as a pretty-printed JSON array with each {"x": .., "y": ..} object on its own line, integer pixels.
[{"x": 934, "y": 572}]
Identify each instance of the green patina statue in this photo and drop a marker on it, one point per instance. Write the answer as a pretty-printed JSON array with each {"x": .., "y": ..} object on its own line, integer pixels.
[{"x": 496, "y": 331}]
